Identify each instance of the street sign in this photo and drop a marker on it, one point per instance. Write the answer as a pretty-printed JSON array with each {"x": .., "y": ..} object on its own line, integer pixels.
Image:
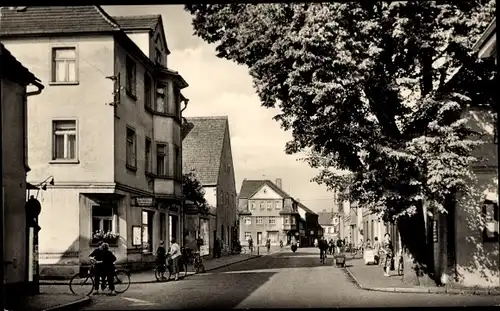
[{"x": 144, "y": 201}]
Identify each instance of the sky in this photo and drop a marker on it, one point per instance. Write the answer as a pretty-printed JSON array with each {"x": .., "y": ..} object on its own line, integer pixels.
[{"x": 219, "y": 87}]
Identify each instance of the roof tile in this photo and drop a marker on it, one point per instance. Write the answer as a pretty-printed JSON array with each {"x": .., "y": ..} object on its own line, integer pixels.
[
  {"x": 137, "y": 22},
  {"x": 202, "y": 148},
  {"x": 55, "y": 19}
]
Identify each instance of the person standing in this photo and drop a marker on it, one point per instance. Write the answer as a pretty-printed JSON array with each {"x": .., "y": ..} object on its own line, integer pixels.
[
  {"x": 376, "y": 250},
  {"x": 250, "y": 245},
  {"x": 99, "y": 276},
  {"x": 268, "y": 245},
  {"x": 175, "y": 253},
  {"x": 108, "y": 265},
  {"x": 161, "y": 257},
  {"x": 386, "y": 254}
]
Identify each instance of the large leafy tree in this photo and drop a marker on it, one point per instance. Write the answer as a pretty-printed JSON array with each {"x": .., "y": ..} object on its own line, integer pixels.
[
  {"x": 368, "y": 88},
  {"x": 193, "y": 191}
]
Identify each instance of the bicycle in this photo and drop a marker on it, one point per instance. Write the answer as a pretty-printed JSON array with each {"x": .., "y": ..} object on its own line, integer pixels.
[
  {"x": 121, "y": 281},
  {"x": 166, "y": 269},
  {"x": 355, "y": 250},
  {"x": 322, "y": 256}
]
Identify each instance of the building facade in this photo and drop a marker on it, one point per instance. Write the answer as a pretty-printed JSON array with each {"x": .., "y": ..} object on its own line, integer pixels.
[
  {"x": 266, "y": 212},
  {"x": 311, "y": 228},
  {"x": 331, "y": 224},
  {"x": 107, "y": 129},
  {"x": 207, "y": 152},
  {"x": 18, "y": 228}
]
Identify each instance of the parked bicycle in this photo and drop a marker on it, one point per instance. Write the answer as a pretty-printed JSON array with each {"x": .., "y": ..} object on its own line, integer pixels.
[
  {"x": 164, "y": 268},
  {"x": 82, "y": 283}
]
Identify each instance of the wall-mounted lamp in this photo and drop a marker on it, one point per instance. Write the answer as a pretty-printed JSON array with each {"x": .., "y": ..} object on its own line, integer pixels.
[{"x": 43, "y": 184}]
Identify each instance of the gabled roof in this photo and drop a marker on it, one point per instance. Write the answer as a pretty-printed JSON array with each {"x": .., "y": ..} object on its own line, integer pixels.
[
  {"x": 250, "y": 187},
  {"x": 13, "y": 69},
  {"x": 325, "y": 218},
  {"x": 138, "y": 22},
  {"x": 306, "y": 209},
  {"x": 490, "y": 30},
  {"x": 202, "y": 148},
  {"x": 40, "y": 20}
]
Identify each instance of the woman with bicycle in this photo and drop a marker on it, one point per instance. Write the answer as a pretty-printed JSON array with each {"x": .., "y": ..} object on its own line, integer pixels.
[{"x": 175, "y": 253}]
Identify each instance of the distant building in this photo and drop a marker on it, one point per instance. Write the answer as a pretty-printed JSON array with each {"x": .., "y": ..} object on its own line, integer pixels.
[
  {"x": 330, "y": 222},
  {"x": 207, "y": 151},
  {"x": 312, "y": 229},
  {"x": 19, "y": 253},
  {"x": 108, "y": 128},
  {"x": 267, "y": 212}
]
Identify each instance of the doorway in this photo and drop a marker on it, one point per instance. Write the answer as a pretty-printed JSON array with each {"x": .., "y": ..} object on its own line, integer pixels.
[{"x": 259, "y": 238}]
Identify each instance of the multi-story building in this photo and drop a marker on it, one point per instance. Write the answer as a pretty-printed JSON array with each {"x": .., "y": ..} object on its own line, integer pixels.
[
  {"x": 207, "y": 151},
  {"x": 107, "y": 128},
  {"x": 16, "y": 218},
  {"x": 330, "y": 222},
  {"x": 312, "y": 229},
  {"x": 266, "y": 212}
]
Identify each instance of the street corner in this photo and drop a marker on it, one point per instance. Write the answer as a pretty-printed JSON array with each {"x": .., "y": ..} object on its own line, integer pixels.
[{"x": 71, "y": 305}]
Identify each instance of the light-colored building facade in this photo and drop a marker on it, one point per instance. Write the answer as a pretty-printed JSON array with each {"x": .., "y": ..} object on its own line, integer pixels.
[
  {"x": 108, "y": 129},
  {"x": 18, "y": 227},
  {"x": 207, "y": 152},
  {"x": 266, "y": 212},
  {"x": 330, "y": 222}
]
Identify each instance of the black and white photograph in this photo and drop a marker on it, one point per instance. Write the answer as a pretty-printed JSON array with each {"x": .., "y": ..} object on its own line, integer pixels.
[{"x": 249, "y": 155}]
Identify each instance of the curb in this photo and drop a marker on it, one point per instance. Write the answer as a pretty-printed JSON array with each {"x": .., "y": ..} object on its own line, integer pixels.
[
  {"x": 71, "y": 305},
  {"x": 424, "y": 290},
  {"x": 66, "y": 282}
]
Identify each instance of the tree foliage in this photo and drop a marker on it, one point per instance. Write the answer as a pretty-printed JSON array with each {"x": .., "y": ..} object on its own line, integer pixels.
[
  {"x": 193, "y": 191},
  {"x": 363, "y": 86}
]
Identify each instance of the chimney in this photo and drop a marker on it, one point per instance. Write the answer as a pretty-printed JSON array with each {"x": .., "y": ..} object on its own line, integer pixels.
[{"x": 278, "y": 183}]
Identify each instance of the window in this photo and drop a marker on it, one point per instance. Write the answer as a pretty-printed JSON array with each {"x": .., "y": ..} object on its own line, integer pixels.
[
  {"x": 248, "y": 220},
  {"x": 262, "y": 205},
  {"x": 64, "y": 64},
  {"x": 272, "y": 220},
  {"x": 147, "y": 155},
  {"x": 178, "y": 163},
  {"x": 277, "y": 205},
  {"x": 64, "y": 140},
  {"x": 259, "y": 220},
  {"x": 163, "y": 226},
  {"x": 147, "y": 91},
  {"x": 158, "y": 56},
  {"x": 161, "y": 98},
  {"x": 161, "y": 160},
  {"x": 273, "y": 236},
  {"x": 269, "y": 205},
  {"x": 147, "y": 231},
  {"x": 287, "y": 220},
  {"x": 252, "y": 205},
  {"x": 248, "y": 235},
  {"x": 293, "y": 220},
  {"x": 490, "y": 214},
  {"x": 131, "y": 149},
  {"x": 103, "y": 218},
  {"x": 131, "y": 78},
  {"x": 177, "y": 101}
]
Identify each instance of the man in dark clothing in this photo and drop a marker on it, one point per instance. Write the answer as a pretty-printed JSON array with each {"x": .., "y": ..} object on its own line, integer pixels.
[
  {"x": 96, "y": 256},
  {"x": 108, "y": 267},
  {"x": 323, "y": 247},
  {"x": 161, "y": 256}
]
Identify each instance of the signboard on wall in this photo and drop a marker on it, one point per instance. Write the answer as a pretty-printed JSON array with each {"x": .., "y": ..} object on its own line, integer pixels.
[
  {"x": 144, "y": 201},
  {"x": 136, "y": 236},
  {"x": 434, "y": 231}
]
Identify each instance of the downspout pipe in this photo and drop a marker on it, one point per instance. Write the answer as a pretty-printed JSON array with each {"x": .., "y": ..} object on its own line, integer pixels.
[{"x": 38, "y": 91}]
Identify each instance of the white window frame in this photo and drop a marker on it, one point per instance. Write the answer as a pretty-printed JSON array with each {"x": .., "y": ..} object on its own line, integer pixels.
[
  {"x": 286, "y": 220},
  {"x": 293, "y": 221},
  {"x": 259, "y": 220},
  {"x": 248, "y": 235},
  {"x": 272, "y": 220},
  {"x": 161, "y": 92},
  {"x": 102, "y": 218},
  {"x": 252, "y": 205},
  {"x": 269, "y": 205},
  {"x": 65, "y": 133},
  {"x": 277, "y": 205},
  {"x": 248, "y": 220},
  {"x": 66, "y": 61},
  {"x": 262, "y": 206}
]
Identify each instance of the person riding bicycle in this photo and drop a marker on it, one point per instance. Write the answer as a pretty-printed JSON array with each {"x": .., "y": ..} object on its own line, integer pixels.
[
  {"x": 161, "y": 257},
  {"x": 96, "y": 258},
  {"x": 323, "y": 247}
]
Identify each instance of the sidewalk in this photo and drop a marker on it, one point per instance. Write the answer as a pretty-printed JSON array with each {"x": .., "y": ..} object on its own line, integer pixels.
[
  {"x": 149, "y": 277},
  {"x": 372, "y": 278},
  {"x": 50, "y": 301}
]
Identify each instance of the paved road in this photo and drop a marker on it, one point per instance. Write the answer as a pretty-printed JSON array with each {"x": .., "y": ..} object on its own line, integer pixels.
[{"x": 280, "y": 280}]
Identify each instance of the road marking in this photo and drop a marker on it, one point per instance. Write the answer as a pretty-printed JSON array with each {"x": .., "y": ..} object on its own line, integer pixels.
[{"x": 139, "y": 302}]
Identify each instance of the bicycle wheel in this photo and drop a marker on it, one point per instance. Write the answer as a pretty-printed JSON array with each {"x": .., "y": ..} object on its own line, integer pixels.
[
  {"x": 158, "y": 274},
  {"x": 122, "y": 281},
  {"x": 82, "y": 285}
]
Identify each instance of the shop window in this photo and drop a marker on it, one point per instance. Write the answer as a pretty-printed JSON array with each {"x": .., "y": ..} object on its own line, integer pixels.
[
  {"x": 104, "y": 224},
  {"x": 490, "y": 214},
  {"x": 147, "y": 231}
]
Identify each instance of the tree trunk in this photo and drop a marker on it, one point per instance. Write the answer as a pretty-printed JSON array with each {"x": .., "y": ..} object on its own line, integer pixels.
[{"x": 416, "y": 252}]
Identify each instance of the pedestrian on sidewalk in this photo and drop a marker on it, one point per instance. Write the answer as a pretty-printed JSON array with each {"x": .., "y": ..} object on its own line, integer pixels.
[
  {"x": 386, "y": 254},
  {"x": 161, "y": 259},
  {"x": 331, "y": 246},
  {"x": 250, "y": 245},
  {"x": 268, "y": 245},
  {"x": 175, "y": 253},
  {"x": 108, "y": 265},
  {"x": 376, "y": 250}
]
